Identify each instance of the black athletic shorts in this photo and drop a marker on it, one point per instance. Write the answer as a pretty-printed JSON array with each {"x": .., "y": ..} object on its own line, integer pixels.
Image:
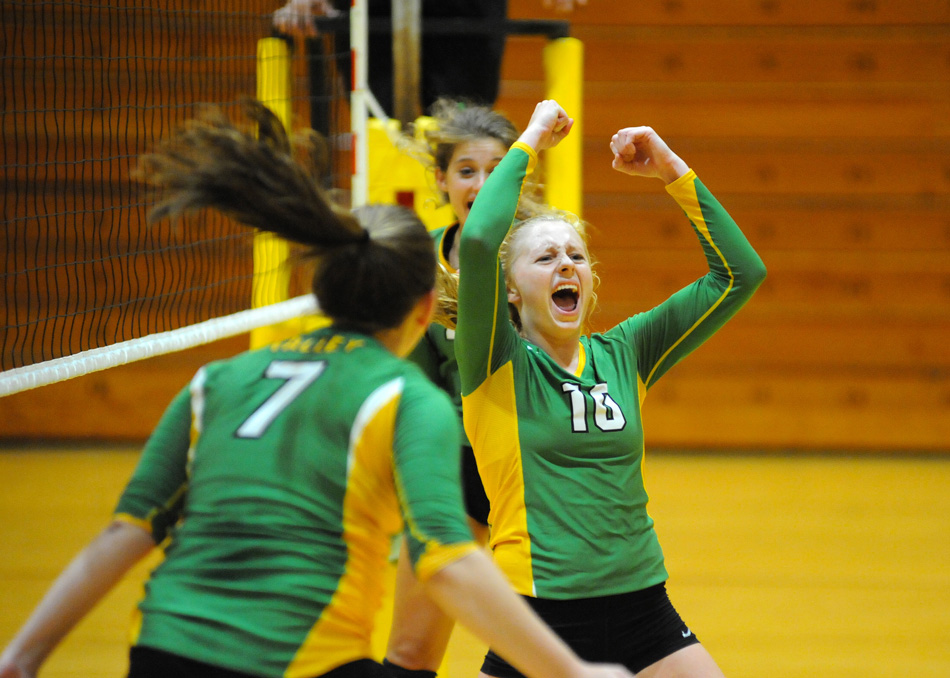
[
  {"x": 476, "y": 502},
  {"x": 147, "y": 662},
  {"x": 634, "y": 629}
]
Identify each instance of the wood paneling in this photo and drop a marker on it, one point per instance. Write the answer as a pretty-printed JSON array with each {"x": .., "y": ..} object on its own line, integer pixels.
[
  {"x": 755, "y": 13},
  {"x": 824, "y": 128},
  {"x": 783, "y": 565}
]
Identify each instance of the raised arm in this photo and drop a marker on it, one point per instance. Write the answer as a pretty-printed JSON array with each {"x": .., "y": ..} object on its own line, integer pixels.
[
  {"x": 667, "y": 333},
  {"x": 483, "y": 329},
  {"x": 640, "y": 152}
]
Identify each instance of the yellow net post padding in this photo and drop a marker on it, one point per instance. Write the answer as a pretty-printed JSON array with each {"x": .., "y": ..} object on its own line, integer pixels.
[
  {"x": 271, "y": 270},
  {"x": 564, "y": 73},
  {"x": 397, "y": 178},
  {"x": 271, "y": 274}
]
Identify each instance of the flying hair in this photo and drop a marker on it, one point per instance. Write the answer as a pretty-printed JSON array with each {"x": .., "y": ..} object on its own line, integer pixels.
[
  {"x": 254, "y": 180},
  {"x": 373, "y": 263}
]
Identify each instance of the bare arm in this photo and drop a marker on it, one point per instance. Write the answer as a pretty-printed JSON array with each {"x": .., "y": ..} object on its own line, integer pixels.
[
  {"x": 473, "y": 591},
  {"x": 84, "y": 582}
]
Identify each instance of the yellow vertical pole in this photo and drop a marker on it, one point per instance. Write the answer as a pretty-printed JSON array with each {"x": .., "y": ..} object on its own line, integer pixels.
[
  {"x": 271, "y": 273},
  {"x": 564, "y": 75},
  {"x": 395, "y": 175}
]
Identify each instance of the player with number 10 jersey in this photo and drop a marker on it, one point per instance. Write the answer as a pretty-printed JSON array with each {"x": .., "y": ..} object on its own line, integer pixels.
[{"x": 561, "y": 453}]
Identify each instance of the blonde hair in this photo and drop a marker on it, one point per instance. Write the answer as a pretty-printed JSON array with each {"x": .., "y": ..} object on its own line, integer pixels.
[{"x": 447, "y": 302}]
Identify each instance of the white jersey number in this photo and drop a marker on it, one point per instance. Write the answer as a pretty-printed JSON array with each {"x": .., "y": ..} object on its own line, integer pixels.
[
  {"x": 607, "y": 414},
  {"x": 298, "y": 376}
]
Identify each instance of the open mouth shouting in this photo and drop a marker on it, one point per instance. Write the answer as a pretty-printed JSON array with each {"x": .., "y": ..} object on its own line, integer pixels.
[{"x": 566, "y": 298}]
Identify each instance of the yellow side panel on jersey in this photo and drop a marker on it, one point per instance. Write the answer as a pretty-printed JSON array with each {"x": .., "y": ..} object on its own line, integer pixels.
[
  {"x": 436, "y": 555},
  {"x": 370, "y": 514},
  {"x": 498, "y": 454}
]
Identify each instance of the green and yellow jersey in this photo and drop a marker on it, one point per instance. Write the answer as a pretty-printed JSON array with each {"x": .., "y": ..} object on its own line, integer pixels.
[
  {"x": 435, "y": 354},
  {"x": 277, "y": 480},
  {"x": 561, "y": 453}
]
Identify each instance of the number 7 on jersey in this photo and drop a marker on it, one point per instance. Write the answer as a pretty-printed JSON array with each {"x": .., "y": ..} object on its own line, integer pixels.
[{"x": 298, "y": 376}]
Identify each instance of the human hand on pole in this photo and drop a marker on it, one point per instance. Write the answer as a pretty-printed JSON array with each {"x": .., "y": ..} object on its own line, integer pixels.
[
  {"x": 563, "y": 5},
  {"x": 296, "y": 17}
]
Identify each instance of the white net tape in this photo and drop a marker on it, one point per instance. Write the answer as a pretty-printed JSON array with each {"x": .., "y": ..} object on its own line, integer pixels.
[{"x": 93, "y": 360}]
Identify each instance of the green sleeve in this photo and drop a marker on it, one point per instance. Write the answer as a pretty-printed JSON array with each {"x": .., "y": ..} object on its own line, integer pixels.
[
  {"x": 484, "y": 335},
  {"x": 425, "y": 354},
  {"x": 427, "y": 470},
  {"x": 665, "y": 334},
  {"x": 154, "y": 495}
]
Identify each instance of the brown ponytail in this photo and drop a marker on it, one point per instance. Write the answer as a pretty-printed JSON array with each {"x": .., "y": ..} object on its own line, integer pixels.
[{"x": 372, "y": 264}]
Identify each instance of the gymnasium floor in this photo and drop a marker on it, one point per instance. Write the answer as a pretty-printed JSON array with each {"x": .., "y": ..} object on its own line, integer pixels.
[{"x": 785, "y": 566}]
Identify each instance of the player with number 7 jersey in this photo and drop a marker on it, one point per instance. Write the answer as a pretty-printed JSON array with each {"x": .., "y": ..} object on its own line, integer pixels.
[
  {"x": 304, "y": 433},
  {"x": 277, "y": 479}
]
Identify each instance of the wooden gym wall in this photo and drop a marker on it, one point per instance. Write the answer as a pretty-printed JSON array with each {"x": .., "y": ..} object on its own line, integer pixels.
[{"x": 823, "y": 127}]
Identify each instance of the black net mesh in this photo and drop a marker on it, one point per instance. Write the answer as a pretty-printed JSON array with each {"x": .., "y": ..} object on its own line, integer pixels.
[{"x": 87, "y": 88}]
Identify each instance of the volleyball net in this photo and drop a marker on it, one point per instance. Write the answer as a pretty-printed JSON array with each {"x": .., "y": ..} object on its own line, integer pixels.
[{"x": 88, "y": 88}]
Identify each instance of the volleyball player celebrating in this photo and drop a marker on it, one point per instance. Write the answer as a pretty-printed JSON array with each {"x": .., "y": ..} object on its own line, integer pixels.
[
  {"x": 466, "y": 144},
  {"x": 279, "y": 476},
  {"x": 554, "y": 415},
  {"x": 463, "y": 148}
]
